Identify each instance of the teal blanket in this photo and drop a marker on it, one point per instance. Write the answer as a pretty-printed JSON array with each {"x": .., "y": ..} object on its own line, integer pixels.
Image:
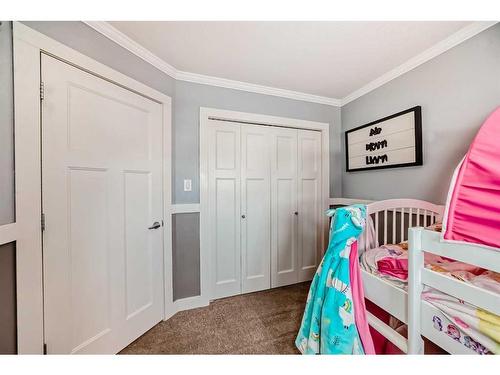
[{"x": 328, "y": 323}]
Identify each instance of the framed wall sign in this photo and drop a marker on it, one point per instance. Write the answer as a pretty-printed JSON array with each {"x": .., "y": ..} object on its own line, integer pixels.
[{"x": 391, "y": 142}]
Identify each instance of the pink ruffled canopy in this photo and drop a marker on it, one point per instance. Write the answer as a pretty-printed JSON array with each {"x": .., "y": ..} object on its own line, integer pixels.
[{"x": 473, "y": 206}]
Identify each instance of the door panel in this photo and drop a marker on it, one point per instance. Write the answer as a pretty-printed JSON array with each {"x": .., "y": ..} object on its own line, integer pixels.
[
  {"x": 224, "y": 208},
  {"x": 255, "y": 207},
  {"x": 309, "y": 202},
  {"x": 90, "y": 280},
  {"x": 284, "y": 205},
  {"x": 139, "y": 258},
  {"x": 101, "y": 190}
]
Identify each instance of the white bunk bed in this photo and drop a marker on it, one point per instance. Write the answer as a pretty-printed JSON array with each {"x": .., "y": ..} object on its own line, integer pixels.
[
  {"x": 421, "y": 312},
  {"x": 393, "y": 219}
]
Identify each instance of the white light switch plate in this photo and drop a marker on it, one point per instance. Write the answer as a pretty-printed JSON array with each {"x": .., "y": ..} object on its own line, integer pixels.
[{"x": 187, "y": 185}]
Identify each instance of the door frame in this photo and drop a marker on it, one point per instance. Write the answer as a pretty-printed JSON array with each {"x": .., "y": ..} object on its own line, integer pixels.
[
  {"x": 28, "y": 47},
  {"x": 207, "y": 114}
]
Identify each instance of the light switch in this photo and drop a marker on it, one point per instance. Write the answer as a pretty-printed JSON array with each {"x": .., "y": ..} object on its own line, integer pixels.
[{"x": 187, "y": 185}]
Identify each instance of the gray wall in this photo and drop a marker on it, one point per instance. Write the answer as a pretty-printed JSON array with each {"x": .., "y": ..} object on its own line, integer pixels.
[
  {"x": 457, "y": 90},
  {"x": 7, "y": 211},
  {"x": 186, "y": 255},
  {"x": 187, "y": 98},
  {"x": 8, "y": 319},
  {"x": 8, "y": 342}
]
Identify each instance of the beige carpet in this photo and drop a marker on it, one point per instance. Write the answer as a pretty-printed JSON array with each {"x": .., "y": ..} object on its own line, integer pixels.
[{"x": 258, "y": 323}]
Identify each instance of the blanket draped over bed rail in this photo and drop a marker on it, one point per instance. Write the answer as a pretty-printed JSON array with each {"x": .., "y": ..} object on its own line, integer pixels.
[{"x": 330, "y": 324}]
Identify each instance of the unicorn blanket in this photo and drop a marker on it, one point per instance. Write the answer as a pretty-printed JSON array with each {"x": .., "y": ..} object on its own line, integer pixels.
[{"x": 328, "y": 325}]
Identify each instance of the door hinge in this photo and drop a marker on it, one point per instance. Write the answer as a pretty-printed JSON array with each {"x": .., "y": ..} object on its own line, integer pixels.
[
  {"x": 43, "y": 222},
  {"x": 44, "y": 348},
  {"x": 42, "y": 91}
]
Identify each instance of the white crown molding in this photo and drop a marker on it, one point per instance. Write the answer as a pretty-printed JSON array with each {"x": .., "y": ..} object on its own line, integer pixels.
[
  {"x": 124, "y": 41},
  {"x": 250, "y": 87},
  {"x": 453, "y": 40}
]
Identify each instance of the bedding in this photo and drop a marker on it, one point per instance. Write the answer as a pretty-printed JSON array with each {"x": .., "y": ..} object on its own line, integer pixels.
[
  {"x": 473, "y": 327},
  {"x": 390, "y": 262}
]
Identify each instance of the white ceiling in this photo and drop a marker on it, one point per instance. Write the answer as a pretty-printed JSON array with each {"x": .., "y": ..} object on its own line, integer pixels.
[{"x": 331, "y": 59}]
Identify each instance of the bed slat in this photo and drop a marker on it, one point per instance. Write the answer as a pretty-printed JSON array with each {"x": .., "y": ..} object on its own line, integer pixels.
[
  {"x": 385, "y": 227},
  {"x": 402, "y": 224},
  {"x": 394, "y": 216}
]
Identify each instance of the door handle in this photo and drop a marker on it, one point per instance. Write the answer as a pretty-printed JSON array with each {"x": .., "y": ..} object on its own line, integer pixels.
[
  {"x": 295, "y": 213},
  {"x": 155, "y": 225}
]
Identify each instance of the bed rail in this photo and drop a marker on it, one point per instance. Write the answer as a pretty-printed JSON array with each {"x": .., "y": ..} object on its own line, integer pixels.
[
  {"x": 392, "y": 218},
  {"x": 418, "y": 276}
]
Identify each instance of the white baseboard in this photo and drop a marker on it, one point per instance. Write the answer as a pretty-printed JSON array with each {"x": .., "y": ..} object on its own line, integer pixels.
[{"x": 190, "y": 303}]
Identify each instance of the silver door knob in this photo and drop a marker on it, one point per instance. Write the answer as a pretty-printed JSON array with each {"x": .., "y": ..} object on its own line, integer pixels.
[{"x": 155, "y": 225}]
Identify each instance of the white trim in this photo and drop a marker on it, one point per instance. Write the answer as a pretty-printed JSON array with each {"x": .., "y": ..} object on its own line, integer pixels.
[
  {"x": 124, "y": 41},
  {"x": 251, "y": 118},
  {"x": 28, "y": 45},
  {"x": 453, "y": 40},
  {"x": 189, "y": 303},
  {"x": 185, "y": 208},
  {"x": 348, "y": 201},
  {"x": 259, "y": 89},
  {"x": 8, "y": 233}
]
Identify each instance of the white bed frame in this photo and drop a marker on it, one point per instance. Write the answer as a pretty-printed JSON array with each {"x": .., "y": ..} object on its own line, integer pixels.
[{"x": 407, "y": 306}]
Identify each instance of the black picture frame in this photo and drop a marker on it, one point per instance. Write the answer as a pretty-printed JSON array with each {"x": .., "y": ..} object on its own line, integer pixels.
[{"x": 418, "y": 141}]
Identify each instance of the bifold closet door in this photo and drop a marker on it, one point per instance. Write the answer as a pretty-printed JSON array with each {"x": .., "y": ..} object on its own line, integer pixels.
[
  {"x": 255, "y": 208},
  {"x": 309, "y": 202},
  {"x": 284, "y": 258},
  {"x": 224, "y": 208}
]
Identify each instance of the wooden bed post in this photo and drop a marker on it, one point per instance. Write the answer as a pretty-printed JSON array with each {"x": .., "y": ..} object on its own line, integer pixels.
[{"x": 415, "y": 265}]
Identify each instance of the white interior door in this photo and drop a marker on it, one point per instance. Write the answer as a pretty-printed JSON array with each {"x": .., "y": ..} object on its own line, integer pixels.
[
  {"x": 284, "y": 206},
  {"x": 255, "y": 208},
  {"x": 101, "y": 191},
  {"x": 224, "y": 207},
  {"x": 309, "y": 202}
]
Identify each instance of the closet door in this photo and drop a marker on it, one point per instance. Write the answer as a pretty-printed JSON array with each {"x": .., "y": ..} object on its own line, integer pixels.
[
  {"x": 284, "y": 258},
  {"x": 224, "y": 208},
  {"x": 309, "y": 202},
  {"x": 255, "y": 208}
]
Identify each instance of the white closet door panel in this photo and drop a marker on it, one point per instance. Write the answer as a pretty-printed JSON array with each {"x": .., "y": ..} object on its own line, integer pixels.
[
  {"x": 284, "y": 206},
  {"x": 255, "y": 208},
  {"x": 309, "y": 201},
  {"x": 101, "y": 190},
  {"x": 224, "y": 207}
]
